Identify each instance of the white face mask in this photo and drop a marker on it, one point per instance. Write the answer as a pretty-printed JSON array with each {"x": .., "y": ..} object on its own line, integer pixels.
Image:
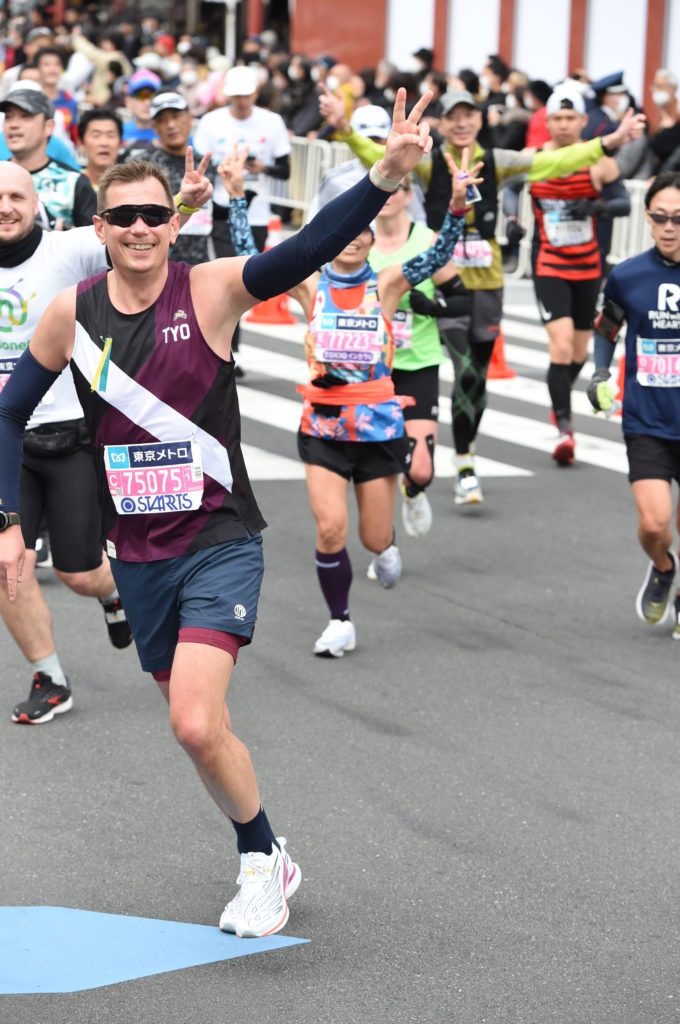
[
  {"x": 485, "y": 84},
  {"x": 315, "y": 74},
  {"x": 333, "y": 82},
  {"x": 189, "y": 77},
  {"x": 184, "y": 47},
  {"x": 660, "y": 97},
  {"x": 423, "y": 87},
  {"x": 511, "y": 101},
  {"x": 389, "y": 94},
  {"x": 621, "y": 105},
  {"x": 295, "y": 73},
  {"x": 413, "y": 66},
  {"x": 171, "y": 67}
]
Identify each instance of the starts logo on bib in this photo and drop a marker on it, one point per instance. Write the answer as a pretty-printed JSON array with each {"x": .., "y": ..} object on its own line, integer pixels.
[{"x": 239, "y": 612}]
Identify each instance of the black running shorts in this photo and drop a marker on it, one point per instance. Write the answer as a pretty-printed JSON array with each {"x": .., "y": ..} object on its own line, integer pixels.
[
  {"x": 558, "y": 298},
  {"x": 652, "y": 458},
  {"x": 423, "y": 385},
  {"x": 359, "y": 461},
  {"x": 63, "y": 490}
]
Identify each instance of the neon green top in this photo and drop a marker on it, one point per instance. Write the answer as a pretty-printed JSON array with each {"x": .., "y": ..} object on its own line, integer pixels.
[
  {"x": 483, "y": 270},
  {"x": 416, "y": 338}
]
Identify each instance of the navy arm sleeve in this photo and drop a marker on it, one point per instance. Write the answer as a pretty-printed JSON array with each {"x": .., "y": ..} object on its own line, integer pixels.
[
  {"x": 425, "y": 264},
  {"x": 335, "y": 226},
  {"x": 27, "y": 384}
]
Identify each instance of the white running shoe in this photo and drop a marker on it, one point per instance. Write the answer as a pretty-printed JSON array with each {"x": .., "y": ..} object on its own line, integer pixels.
[
  {"x": 261, "y": 905},
  {"x": 466, "y": 487},
  {"x": 386, "y": 567},
  {"x": 371, "y": 573},
  {"x": 416, "y": 514},
  {"x": 338, "y": 636}
]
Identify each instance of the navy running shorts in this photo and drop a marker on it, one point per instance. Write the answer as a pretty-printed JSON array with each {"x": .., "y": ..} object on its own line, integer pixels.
[
  {"x": 215, "y": 588},
  {"x": 652, "y": 458},
  {"x": 359, "y": 461}
]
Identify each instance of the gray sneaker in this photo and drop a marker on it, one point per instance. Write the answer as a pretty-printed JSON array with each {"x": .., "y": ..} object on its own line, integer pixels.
[{"x": 654, "y": 601}]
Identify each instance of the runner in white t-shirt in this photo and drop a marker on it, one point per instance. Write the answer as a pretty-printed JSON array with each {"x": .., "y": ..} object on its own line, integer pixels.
[{"x": 243, "y": 124}]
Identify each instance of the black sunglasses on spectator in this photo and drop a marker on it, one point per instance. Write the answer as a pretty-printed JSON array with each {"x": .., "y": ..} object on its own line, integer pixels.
[
  {"x": 125, "y": 216},
  {"x": 663, "y": 218}
]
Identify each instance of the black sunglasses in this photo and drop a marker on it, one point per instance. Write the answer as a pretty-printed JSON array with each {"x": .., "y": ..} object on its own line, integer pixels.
[
  {"x": 663, "y": 218},
  {"x": 125, "y": 216}
]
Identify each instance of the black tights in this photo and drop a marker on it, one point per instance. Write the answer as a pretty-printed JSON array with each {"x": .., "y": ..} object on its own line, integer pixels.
[{"x": 468, "y": 399}]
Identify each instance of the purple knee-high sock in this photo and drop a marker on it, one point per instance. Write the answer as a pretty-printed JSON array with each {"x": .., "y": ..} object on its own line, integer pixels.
[{"x": 335, "y": 578}]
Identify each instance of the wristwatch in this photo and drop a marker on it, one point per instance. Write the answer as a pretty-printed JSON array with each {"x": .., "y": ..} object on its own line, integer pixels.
[{"x": 9, "y": 519}]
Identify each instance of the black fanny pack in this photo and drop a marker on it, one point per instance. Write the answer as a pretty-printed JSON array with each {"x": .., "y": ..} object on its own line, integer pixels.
[{"x": 56, "y": 438}]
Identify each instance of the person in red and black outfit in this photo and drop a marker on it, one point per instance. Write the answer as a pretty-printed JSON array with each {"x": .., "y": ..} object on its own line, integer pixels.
[{"x": 568, "y": 263}]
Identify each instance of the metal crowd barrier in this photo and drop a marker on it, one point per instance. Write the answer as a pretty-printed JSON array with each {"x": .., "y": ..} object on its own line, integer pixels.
[{"x": 311, "y": 158}]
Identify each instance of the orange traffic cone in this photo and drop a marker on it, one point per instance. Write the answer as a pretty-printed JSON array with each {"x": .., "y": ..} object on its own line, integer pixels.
[
  {"x": 621, "y": 379},
  {"x": 498, "y": 367},
  {"x": 274, "y": 232},
  {"x": 272, "y": 311},
  {"x": 276, "y": 310}
]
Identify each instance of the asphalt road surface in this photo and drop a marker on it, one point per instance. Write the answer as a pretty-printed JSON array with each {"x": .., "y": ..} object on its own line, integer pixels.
[{"x": 482, "y": 797}]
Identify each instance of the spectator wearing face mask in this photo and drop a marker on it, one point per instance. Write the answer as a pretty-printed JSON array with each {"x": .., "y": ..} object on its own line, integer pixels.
[
  {"x": 493, "y": 82},
  {"x": 307, "y": 119},
  {"x": 507, "y": 125},
  {"x": 611, "y": 103},
  {"x": 664, "y": 98},
  {"x": 665, "y": 143}
]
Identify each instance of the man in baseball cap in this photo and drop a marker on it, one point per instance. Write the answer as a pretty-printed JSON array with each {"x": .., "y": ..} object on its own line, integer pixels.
[
  {"x": 65, "y": 194},
  {"x": 142, "y": 86},
  {"x": 456, "y": 98},
  {"x": 172, "y": 122},
  {"x": 29, "y": 97}
]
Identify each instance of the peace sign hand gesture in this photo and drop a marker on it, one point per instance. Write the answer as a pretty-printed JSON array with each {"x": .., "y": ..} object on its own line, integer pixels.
[
  {"x": 195, "y": 189},
  {"x": 232, "y": 171},
  {"x": 462, "y": 178},
  {"x": 409, "y": 140}
]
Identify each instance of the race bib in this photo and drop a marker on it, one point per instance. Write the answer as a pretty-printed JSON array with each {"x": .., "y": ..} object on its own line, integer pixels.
[
  {"x": 402, "y": 328},
  {"x": 200, "y": 223},
  {"x": 561, "y": 231},
  {"x": 6, "y": 367},
  {"x": 348, "y": 338},
  {"x": 155, "y": 477},
  {"x": 473, "y": 252},
  {"x": 658, "y": 362}
]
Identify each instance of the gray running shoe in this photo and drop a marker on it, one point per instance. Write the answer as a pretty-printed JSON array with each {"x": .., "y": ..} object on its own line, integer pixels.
[
  {"x": 654, "y": 603},
  {"x": 466, "y": 487}
]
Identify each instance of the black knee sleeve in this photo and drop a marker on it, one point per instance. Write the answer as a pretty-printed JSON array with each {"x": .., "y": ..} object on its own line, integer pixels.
[{"x": 412, "y": 488}]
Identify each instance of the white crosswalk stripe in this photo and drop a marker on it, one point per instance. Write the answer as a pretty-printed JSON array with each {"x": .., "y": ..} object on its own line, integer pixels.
[{"x": 527, "y": 426}]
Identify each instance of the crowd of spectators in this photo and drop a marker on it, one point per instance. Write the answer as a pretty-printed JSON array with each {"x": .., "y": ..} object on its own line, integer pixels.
[{"x": 83, "y": 66}]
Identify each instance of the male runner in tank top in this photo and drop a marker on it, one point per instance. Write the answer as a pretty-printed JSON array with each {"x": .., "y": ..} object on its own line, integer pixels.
[
  {"x": 57, "y": 479},
  {"x": 568, "y": 263},
  {"x": 149, "y": 345}
]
